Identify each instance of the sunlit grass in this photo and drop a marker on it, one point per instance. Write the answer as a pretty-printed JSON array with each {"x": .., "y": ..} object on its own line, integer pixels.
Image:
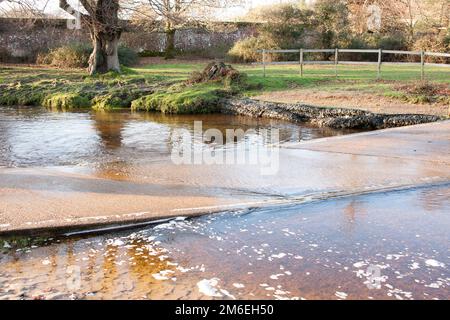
[
  {"x": 350, "y": 77},
  {"x": 29, "y": 85}
]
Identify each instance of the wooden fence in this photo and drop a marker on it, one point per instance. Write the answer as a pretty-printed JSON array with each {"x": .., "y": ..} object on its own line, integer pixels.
[{"x": 336, "y": 61}]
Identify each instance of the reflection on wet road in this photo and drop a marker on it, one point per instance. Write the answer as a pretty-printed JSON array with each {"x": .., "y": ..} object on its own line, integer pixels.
[{"x": 392, "y": 245}]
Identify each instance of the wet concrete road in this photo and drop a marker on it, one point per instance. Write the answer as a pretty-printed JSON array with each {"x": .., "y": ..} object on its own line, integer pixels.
[{"x": 318, "y": 169}]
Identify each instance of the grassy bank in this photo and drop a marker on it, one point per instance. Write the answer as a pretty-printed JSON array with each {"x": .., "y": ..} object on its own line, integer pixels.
[
  {"x": 65, "y": 89},
  {"x": 158, "y": 86}
]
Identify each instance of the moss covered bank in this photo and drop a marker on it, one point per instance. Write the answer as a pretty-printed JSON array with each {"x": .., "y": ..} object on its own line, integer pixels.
[{"x": 217, "y": 88}]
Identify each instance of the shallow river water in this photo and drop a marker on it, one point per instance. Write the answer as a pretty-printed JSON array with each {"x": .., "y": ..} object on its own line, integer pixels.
[
  {"x": 382, "y": 245},
  {"x": 37, "y": 137}
]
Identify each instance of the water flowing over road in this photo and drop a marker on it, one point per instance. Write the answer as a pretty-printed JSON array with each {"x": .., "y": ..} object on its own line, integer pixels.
[
  {"x": 360, "y": 216},
  {"x": 322, "y": 250}
]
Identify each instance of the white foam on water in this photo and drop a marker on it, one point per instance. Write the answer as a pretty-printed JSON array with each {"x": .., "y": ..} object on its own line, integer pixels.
[
  {"x": 162, "y": 275},
  {"x": 394, "y": 256},
  {"x": 434, "y": 263},
  {"x": 182, "y": 269},
  {"x": 280, "y": 292},
  {"x": 46, "y": 262},
  {"x": 207, "y": 287},
  {"x": 115, "y": 242},
  {"x": 414, "y": 266},
  {"x": 238, "y": 285},
  {"x": 435, "y": 285},
  {"x": 341, "y": 295},
  {"x": 279, "y": 256},
  {"x": 227, "y": 294},
  {"x": 359, "y": 264},
  {"x": 157, "y": 276},
  {"x": 280, "y": 297}
]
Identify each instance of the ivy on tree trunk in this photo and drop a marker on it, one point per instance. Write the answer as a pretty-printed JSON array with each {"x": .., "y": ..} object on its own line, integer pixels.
[{"x": 170, "y": 43}]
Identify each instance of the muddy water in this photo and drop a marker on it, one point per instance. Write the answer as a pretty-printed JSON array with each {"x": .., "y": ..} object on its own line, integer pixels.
[
  {"x": 384, "y": 245},
  {"x": 381, "y": 246},
  {"x": 37, "y": 137}
]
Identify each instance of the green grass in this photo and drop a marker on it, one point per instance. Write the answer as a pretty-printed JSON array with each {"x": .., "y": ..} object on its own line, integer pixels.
[
  {"x": 64, "y": 101},
  {"x": 350, "y": 77},
  {"x": 66, "y": 88},
  {"x": 173, "y": 72},
  {"x": 56, "y": 88},
  {"x": 201, "y": 98}
]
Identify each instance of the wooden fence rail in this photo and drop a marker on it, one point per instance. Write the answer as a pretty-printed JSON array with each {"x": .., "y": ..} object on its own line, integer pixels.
[{"x": 336, "y": 61}]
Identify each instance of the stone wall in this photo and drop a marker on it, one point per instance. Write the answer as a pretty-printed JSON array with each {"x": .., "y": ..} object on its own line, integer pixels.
[{"x": 22, "y": 39}]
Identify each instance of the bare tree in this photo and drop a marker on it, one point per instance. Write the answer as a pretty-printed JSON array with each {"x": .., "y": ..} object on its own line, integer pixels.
[
  {"x": 101, "y": 17},
  {"x": 176, "y": 13},
  {"x": 408, "y": 16},
  {"x": 102, "y": 20},
  {"x": 20, "y": 9}
]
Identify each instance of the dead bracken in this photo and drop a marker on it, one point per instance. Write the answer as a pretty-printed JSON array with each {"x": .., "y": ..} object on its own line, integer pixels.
[{"x": 216, "y": 71}]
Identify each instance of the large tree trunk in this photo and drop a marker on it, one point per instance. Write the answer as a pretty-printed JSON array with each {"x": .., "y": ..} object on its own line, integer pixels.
[
  {"x": 170, "y": 42},
  {"x": 105, "y": 55},
  {"x": 102, "y": 19}
]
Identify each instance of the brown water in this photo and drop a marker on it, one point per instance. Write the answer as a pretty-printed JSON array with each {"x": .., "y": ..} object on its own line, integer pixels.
[
  {"x": 391, "y": 245},
  {"x": 37, "y": 137},
  {"x": 319, "y": 250}
]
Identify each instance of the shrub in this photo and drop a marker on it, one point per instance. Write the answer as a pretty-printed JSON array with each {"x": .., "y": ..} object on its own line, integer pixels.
[
  {"x": 65, "y": 101},
  {"x": 68, "y": 56},
  {"x": 446, "y": 41},
  {"x": 150, "y": 53},
  {"x": 433, "y": 42},
  {"x": 77, "y": 56},
  {"x": 357, "y": 43},
  {"x": 397, "y": 42},
  {"x": 127, "y": 56},
  {"x": 331, "y": 22},
  {"x": 4, "y": 54},
  {"x": 245, "y": 50}
]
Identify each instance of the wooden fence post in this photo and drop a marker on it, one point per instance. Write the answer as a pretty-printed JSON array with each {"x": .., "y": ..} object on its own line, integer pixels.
[
  {"x": 336, "y": 61},
  {"x": 264, "y": 62},
  {"x": 301, "y": 62},
  {"x": 380, "y": 53},
  {"x": 422, "y": 65}
]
